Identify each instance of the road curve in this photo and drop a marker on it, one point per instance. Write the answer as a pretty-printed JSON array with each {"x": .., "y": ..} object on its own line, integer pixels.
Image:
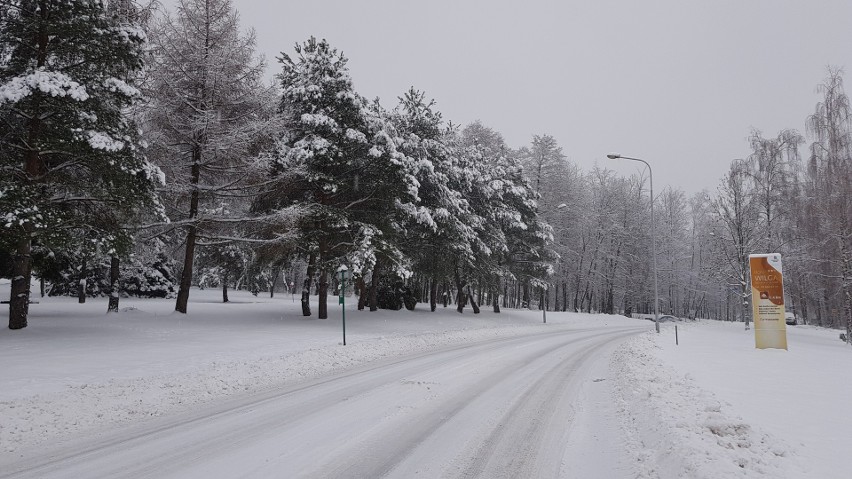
[{"x": 529, "y": 406}]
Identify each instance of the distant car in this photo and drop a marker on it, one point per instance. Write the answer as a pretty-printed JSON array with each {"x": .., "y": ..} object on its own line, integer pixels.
[
  {"x": 790, "y": 319},
  {"x": 667, "y": 317}
]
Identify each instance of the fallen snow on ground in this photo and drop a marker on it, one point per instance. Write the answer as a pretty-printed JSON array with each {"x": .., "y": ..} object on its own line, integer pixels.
[
  {"x": 711, "y": 407},
  {"x": 678, "y": 429},
  {"x": 714, "y": 406},
  {"x": 75, "y": 369},
  {"x": 800, "y": 396}
]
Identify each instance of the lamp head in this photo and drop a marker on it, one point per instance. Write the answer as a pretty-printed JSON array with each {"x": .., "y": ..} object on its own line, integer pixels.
[{"x": 613, "y": 156}]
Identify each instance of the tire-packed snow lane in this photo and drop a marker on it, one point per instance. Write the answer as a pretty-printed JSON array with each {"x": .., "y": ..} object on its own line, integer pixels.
[
  {"x": 501, "y": 408},
  {"x": 531, "y": 436}
]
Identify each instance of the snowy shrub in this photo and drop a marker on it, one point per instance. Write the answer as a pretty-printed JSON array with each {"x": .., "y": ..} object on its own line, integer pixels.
[
  {"x": 137, "y": 277},
  {"x": 394, "y": 295},
  {"x": 156, "y": 280}
]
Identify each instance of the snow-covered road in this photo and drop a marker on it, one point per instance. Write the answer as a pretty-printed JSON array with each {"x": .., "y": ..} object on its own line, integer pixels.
[{"x": 530, "y": 406}]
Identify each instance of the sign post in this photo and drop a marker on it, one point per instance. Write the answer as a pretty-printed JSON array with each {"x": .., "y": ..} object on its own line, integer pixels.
[
  {"x": 767, "y": 301},
  {"x": 342, "y": 270}
]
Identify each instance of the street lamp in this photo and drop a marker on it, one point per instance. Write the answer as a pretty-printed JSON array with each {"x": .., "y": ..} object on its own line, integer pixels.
[{"x": 616, "y": 156}]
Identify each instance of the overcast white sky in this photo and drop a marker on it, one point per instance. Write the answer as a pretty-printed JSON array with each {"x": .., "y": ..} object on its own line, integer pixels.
[{"x": 678, "y": 83}]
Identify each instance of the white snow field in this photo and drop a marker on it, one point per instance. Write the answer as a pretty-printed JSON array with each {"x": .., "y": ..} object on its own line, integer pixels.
[{"x": 253, "y": 389}]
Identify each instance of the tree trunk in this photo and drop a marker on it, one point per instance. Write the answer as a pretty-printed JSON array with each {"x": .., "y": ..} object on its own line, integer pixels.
[
  {"x": 191, "y": 233},
  {"x": 225, "y": 287},
  {"x": 609, "y": 302},
  {"x": 19, "y": 299},
  {"x": 323, "y": 294},
  {"x": 460, "y": 291},
  {"x": 306, "y": 286},
  {"x": 361, "y": 289},
  {"x": 374, "y": 288},
  {"x": 186, "y": 274},
  {"x": 433, "y": 295},
  {"x": 113, "y": 285},
  {"x": 445, "y": 296},
  {"x": 556, "y": 296},
  {"x": 22, "y": 264},
  {"x": 276, "y": 273},
  {"x": 81, "y": 285},
  {"x": 41, "y": 286},
  {"x": 473, "y": 303},
  {"x": 496, "y": 300},
  {"x": 744, "y": 300},
  {"x": 846, "y": 285},
  {"x": 576, "y": 295}
]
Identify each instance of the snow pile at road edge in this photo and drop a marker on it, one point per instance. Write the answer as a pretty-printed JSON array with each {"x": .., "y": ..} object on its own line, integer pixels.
[{"x": 676, "y": 429}]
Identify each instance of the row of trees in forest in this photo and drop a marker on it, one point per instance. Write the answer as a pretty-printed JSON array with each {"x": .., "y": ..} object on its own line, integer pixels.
[{"x": 144, "y": 154}]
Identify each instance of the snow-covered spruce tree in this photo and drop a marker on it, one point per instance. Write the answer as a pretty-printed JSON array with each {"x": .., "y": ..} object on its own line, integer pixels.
[
  {"x": 67, "y": 152},
  {"x": 337, "y": 158},
  {"x": 208, "y": 114}
]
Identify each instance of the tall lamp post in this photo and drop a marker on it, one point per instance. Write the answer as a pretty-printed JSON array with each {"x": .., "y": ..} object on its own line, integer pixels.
[{"x": 617, "y": 156}]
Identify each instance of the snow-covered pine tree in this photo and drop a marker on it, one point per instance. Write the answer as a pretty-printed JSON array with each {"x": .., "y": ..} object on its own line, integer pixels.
[
  {"x": 337, "y": 158},
  {"x": 208, "y": 117},
  {"x": 551, "y": 176},
  {"x": 440, "y": 231},
  {"x": 525, "y": 253},
  {"x": 512, "y": 241},
  {"x": 68, "y": 154}
]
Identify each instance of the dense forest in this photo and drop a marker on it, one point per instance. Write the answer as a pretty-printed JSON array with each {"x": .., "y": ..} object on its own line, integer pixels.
[{"x": 143, "y": 153}]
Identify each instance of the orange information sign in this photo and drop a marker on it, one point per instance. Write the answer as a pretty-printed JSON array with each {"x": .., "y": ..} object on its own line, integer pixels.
[{"x": 767, "y": 301}]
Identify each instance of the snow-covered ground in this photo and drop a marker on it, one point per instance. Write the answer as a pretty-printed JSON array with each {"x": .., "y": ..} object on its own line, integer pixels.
[
  {"x": 722, "y": 408},
  {"x": 711, "y": 407}
]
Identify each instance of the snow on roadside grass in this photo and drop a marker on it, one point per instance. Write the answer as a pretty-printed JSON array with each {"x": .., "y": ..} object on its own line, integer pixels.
[
  {"x": 31, "y": 420},
  {"x": 677, "y": 429}
]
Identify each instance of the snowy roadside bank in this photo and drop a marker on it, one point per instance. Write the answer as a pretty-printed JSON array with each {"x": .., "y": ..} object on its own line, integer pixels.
[
  {"x": 714, "y": 406},
  {"x": 87, "y": 394},
  {"x": 799, "y": 396},
  {"x": 676, "y": 428}
]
